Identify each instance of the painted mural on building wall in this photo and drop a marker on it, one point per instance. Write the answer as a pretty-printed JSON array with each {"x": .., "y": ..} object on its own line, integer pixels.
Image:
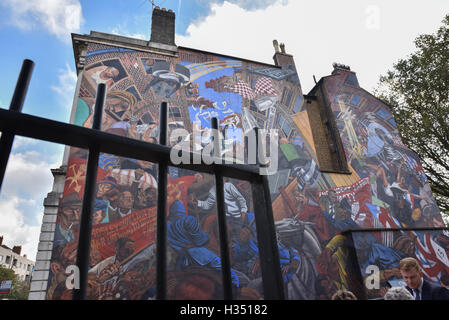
[{"x": 387, "y": 187}]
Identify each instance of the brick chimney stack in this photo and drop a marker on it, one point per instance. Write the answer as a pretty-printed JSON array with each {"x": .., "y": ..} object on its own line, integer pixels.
[
  {"x": 345, "y": 72},
  {"x": 1, "y": 240},
  {"x": 163, "y": 26},
  {"x": 17, "y": 249},
  {"x": 281, "y": 58}
]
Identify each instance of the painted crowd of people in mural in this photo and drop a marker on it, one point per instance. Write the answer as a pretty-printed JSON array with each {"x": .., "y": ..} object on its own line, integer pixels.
[{"x": 312, "y": 209}]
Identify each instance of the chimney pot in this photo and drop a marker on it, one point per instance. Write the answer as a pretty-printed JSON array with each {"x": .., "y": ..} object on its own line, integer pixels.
[
  {"x": 276, "y": 46},
  {"x": 341, "y": 66},
  {"x": 282, "y": 45}
]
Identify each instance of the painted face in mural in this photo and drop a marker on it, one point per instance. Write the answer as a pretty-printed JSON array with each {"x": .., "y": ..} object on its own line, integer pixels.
[
  {"x": 109, "y": 73},
  {"x": 58, "y": 271},
  {"x": 405, "y": 244},
  {"x": 126, "y": 201},
  {"x": 112, "y": 197},
  {"x": 124, "y": 249},
  {"x": 300, "y": 199},
  {"x": 117, "y": 106},
  {"x": 103, "y": 189},
  {"x": 198, "y": 177},
  {"x": 98, "y": 216},
  {"x": 70, "y": 216},
  {"x": 333, "y": 196},
  {"x": 147, "y": 197}
]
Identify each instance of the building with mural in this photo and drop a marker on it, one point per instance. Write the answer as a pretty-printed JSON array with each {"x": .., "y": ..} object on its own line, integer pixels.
[{"x": 349, "y": 198}]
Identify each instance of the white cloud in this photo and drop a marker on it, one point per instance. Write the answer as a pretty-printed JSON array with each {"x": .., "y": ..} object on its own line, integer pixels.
[
  {"x": 66, "y": 86},
  {"x": 15, "y": 231},
  {"x": 368, "y": 35},
  {"x": 28, "y": 173},
  {"x": 27, "y": 181},
  {"x": 59, "y": 17}
]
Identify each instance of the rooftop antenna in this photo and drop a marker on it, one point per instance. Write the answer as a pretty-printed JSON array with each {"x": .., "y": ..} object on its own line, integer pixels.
[
  {"x": 152, "y": 8},
  {"x": 152, "y": 3}
]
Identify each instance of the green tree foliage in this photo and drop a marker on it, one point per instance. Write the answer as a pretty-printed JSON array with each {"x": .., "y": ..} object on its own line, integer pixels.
[
  {"x": 19, "y": 289},
  {"x": 418, "y": 90}
]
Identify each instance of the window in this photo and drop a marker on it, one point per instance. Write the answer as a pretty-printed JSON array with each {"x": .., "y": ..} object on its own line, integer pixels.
[
  {"x": 1, "y": 258},
  {"x": 287, "y": 129},
  {"x": 355, "y": 100},
  {"x": 285, "y": 126},
  {"x": 392, "y": 122},
  {"x": 343, "y": 97},
  {"x": 8, "y": 259},
  {"x": 352, "y": 80},
  {"x": 298, "y": 103},
  {"x": 287, "y": 96},
  {"x": 384, "y": 114},
  {"x": 174, "y": 112}
]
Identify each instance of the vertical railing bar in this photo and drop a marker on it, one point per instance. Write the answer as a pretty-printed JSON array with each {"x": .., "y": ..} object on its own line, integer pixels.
[
  {"x": 16, "y": 105},
  {"x": 276, "y": 265},
  {"x": 266, "y": 234},
  {"x": 83, "y": 252},
  {"x": 355, "y": 265},
  {"x": 221, "y": 217},
  {"x": 161, "y": 224}
]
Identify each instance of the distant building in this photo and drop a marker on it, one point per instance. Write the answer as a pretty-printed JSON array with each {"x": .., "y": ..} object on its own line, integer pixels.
[{"x": 11, "y": 259}]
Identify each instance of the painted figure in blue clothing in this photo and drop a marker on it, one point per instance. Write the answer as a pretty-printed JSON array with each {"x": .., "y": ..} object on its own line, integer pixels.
[
  {"x": 246, "y": 255},
  {"x": 289, "y": 260},
  {"x": 185, "y": 236},
  {"x": 245, "y": 249}
]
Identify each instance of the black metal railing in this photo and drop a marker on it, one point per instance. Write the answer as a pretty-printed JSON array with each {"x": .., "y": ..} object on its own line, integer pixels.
[{"x": 13, "y": 122}]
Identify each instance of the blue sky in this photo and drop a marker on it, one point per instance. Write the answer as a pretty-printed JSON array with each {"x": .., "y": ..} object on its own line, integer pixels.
[{"x": 368, "y": 35}]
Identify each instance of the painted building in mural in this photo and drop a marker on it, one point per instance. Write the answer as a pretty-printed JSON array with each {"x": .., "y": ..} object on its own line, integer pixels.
[{"x": 342, "y": 169}]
